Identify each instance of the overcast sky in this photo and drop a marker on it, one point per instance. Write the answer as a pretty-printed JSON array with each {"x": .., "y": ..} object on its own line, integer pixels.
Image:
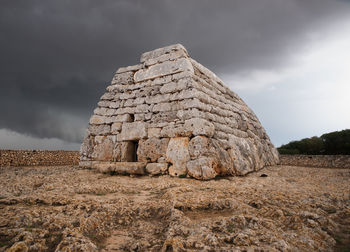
[{"x": 288, "y": 59}]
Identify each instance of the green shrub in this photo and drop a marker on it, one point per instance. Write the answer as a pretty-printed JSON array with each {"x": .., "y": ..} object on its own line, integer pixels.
[{"x": 334, "y": 143}]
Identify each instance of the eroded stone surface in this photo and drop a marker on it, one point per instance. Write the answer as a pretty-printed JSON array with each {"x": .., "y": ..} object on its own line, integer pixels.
[
  {"x": 69, "y": 209},
  {"x": 137, "y": 168},
  {"x": 151, "y": 149},
  {"x": 177, "y": 154},
  {"x": 103, "y": 149},
  {"x": 200, "y": 127},
  {"x": 202, "y": 168},
  {"x": 133, "y": 131},
  {"x": 157, "y": 168},
  {"x": 163, "y": 69}
]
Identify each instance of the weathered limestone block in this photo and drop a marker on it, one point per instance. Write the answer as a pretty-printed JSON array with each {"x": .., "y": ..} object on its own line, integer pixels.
[
  {"x": 198, "y": 146},
  {"x": 223, "y": 127},
  {"x": 87, "y": 147},
  {"x": 220, "y": 135},
  {"x": 201, "y": 146},
  {"x": 127, "y": 95},
  {"x": 98, "y": 119},
  {"x": 241, "y": 165},
  {"x": 122, "y": 118},
  {"x": 181, "y": 75},
  {"x": 275, "y": 155},
  {"x": 143, "y": 108},
  {"x": 151, "y": 149},
  {"x": 139, "y": 100},
  {"x": 132, "y": 131},
  {"x": 184, "y": 94},
  {"x": 203, "y": 168},
  {"x": 224, "y": 160},
  {"x": 175, "y": 131},
  {"x": 167, "y": 116},
  {"x": 162, "y": 160},
  {"x": 116, "y": 104},
  {"x": 160, "y": 80},
  {"x": 178, "y": 155},
  {"x": 194, "y": 103},
  {"x": 123, "y": 78},
  {"x": 191, "y": 113},
  {"x": 85, "y": 164},
  {"x": 139, "y": 117},
  {"x": 243, "y": 155},
  {"x": 162, "y": 69},
  {"x": 116, "y": 128},
  {"x": 148, "y": 116},
  {"x": 127, "y": 110},
  {"x": 173, "y": 87},
  {"x": 154, "y": 132},
  {"x": 102, "y": 129},
  {"x": 239, "y": 133},
  {"x": 109, "y": 104},
  {"x": 157, "y": 98},
  {"x": 148, "y": 91},
  {"x": 133, "y": 68},
  {"x": 163, "y": 107},
  {"x": 156, "y": 168},
  {"x": 103, "y": 103},
  {"x": 166, "y": 57},
  {"x": 199, "y": 126},
  {"x": 108, "y": 96},
  {"x": 230, "y": 121},
  {"x": 117, "y": 152},
  {"x": 135, "y": 168},
  {"x": 129, "y": 103},
  {"x": 101, "y": 111},
  {"x": 162, "y": 51},
  {"x": 103, "y": 149}
]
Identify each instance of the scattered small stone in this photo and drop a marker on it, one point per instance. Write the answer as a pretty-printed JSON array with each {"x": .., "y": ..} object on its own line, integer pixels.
[{"x": 74, "y": 211}]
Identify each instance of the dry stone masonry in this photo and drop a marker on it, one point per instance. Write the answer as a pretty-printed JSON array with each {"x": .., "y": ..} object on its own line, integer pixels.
[
  {"x": 171, "y": 115},
  {"x": 324, "y": 161},
  {"x": 38, "y": 157}
]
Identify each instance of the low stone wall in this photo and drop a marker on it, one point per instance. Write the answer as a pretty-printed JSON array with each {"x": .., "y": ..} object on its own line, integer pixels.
[
  {"x": 38, "y": 157},
  {"x": 43, "y": 157},
  {"x": 327, "y": 161}
]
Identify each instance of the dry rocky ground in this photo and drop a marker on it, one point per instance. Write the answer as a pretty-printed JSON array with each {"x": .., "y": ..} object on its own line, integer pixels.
[{"x": 70, "y": 209}]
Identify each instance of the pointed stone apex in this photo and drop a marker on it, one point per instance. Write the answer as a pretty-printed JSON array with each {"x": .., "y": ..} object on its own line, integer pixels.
[{"x": 172, "y": 51}]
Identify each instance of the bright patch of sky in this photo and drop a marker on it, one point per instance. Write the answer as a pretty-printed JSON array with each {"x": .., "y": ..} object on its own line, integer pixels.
[{"x": 309, "y": 98}]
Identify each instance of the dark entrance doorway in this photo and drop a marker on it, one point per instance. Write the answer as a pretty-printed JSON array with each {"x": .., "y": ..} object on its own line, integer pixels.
[{"x": 129, "y": 153}]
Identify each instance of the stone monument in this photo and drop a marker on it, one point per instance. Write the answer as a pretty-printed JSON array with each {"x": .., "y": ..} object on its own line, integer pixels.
[{"x": 171, "y": 115}]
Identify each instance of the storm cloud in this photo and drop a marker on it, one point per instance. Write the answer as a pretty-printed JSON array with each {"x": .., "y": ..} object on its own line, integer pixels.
[{"x": 57, "y": 57}]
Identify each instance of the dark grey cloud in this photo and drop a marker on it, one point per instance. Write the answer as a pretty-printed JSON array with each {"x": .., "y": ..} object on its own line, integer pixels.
[{"x": 57, "y": 57}]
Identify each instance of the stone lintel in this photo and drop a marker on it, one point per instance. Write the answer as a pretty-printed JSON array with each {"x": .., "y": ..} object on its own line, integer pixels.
[{"x": 132, "y": 131}]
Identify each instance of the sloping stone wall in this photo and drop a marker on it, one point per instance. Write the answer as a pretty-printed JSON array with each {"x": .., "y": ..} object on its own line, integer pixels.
[
  {"x": 326, "y": 161},
  {"x": 38, "y": 157},
  {"x": 173, "y": 116}
]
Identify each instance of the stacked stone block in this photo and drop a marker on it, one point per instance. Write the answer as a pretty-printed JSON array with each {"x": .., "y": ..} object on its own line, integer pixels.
[{"x": 171, "y": 115}]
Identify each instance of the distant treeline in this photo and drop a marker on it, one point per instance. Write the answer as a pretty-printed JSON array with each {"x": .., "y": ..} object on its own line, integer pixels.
[{"x": 334, "y": 143}]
